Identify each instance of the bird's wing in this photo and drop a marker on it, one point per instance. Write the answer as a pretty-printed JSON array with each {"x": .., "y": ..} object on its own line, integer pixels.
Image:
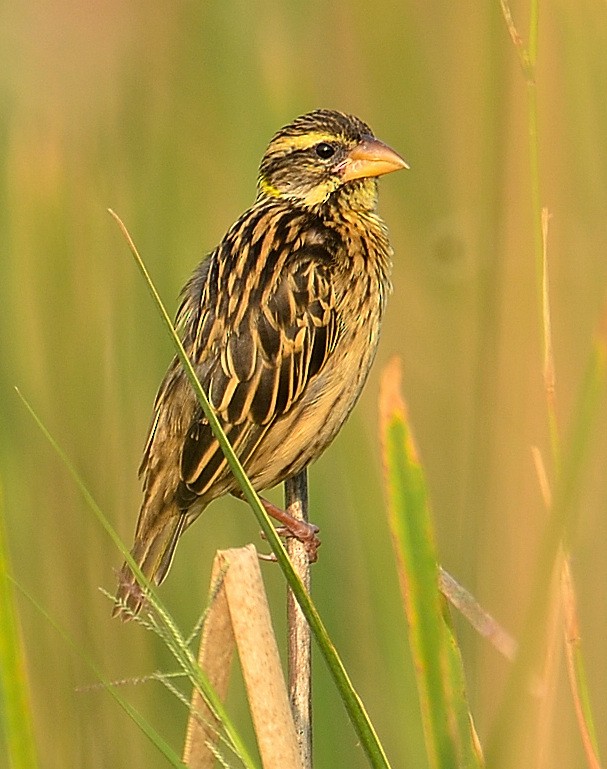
[{"x": 270, "y": 336}]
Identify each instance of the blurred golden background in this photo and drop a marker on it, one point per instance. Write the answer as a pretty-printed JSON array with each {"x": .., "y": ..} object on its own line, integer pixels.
[{"x": 162, "y": 111}]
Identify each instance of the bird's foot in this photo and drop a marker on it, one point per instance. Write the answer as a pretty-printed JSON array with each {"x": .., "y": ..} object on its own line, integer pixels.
[{"x": 303, "y": 531}]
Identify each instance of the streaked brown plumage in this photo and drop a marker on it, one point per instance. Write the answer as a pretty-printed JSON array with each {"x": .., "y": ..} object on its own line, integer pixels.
[{"x": 282, "y": 322}]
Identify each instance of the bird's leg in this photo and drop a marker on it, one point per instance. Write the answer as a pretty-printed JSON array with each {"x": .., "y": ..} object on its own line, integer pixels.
[{"x": 294, "y": 527}]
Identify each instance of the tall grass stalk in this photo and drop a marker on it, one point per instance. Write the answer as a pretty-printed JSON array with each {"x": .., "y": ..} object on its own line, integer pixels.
[{"x": 568, "y": 464}]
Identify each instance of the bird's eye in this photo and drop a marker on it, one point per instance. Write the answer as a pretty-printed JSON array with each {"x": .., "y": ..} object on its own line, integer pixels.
[{"x": 325, "y": 150}]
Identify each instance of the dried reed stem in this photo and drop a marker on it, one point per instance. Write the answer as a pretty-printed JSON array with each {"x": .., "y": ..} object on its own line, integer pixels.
[{"x": 299, "y": 639}]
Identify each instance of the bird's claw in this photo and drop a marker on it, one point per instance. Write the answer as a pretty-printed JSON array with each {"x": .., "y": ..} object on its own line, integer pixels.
[{"x": 303, "y": 532}]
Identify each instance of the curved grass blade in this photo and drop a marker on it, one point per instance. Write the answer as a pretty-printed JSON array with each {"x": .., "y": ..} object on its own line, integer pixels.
[
  {"x": 167, "y": 629},
  {"x": 352, "y": 702},
  {"x": 155, "y": 738}
]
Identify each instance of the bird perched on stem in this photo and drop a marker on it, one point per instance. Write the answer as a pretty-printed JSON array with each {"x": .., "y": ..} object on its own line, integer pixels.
[{"x": 281, "y": 322}]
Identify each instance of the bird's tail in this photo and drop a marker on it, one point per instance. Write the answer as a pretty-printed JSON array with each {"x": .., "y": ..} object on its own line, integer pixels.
[{"x": 153, "y": 552}]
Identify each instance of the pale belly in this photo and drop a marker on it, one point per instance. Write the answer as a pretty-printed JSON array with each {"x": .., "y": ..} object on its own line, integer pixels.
[{"x": 300, "y": 437}]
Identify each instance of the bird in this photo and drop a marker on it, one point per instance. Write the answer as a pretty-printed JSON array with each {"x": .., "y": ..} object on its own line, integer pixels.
[{"x": 281, "y": 322}]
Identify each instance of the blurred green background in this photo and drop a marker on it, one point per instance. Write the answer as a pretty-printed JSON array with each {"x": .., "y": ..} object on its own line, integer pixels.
[{"x": 162, "y": 111}]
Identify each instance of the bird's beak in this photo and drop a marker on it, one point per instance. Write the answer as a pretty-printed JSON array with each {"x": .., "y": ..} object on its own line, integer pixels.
[{"x": 371, "y": 158}]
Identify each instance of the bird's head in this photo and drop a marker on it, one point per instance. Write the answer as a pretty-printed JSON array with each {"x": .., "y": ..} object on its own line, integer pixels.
[{"x": 320, "y": 153}]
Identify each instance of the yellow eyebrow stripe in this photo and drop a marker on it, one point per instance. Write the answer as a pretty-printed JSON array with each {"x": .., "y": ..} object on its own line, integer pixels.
[{"x": 301, "y": 142}]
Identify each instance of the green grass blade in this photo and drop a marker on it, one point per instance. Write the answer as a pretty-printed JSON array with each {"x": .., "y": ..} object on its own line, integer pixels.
[
  {"x": 168, "y": 630},
  {"x": 156, "y": 739},
  {"x": 352, "y": 702},
  {"x": 450, "y": 740},
  {"x": 15, "y": 709}
]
